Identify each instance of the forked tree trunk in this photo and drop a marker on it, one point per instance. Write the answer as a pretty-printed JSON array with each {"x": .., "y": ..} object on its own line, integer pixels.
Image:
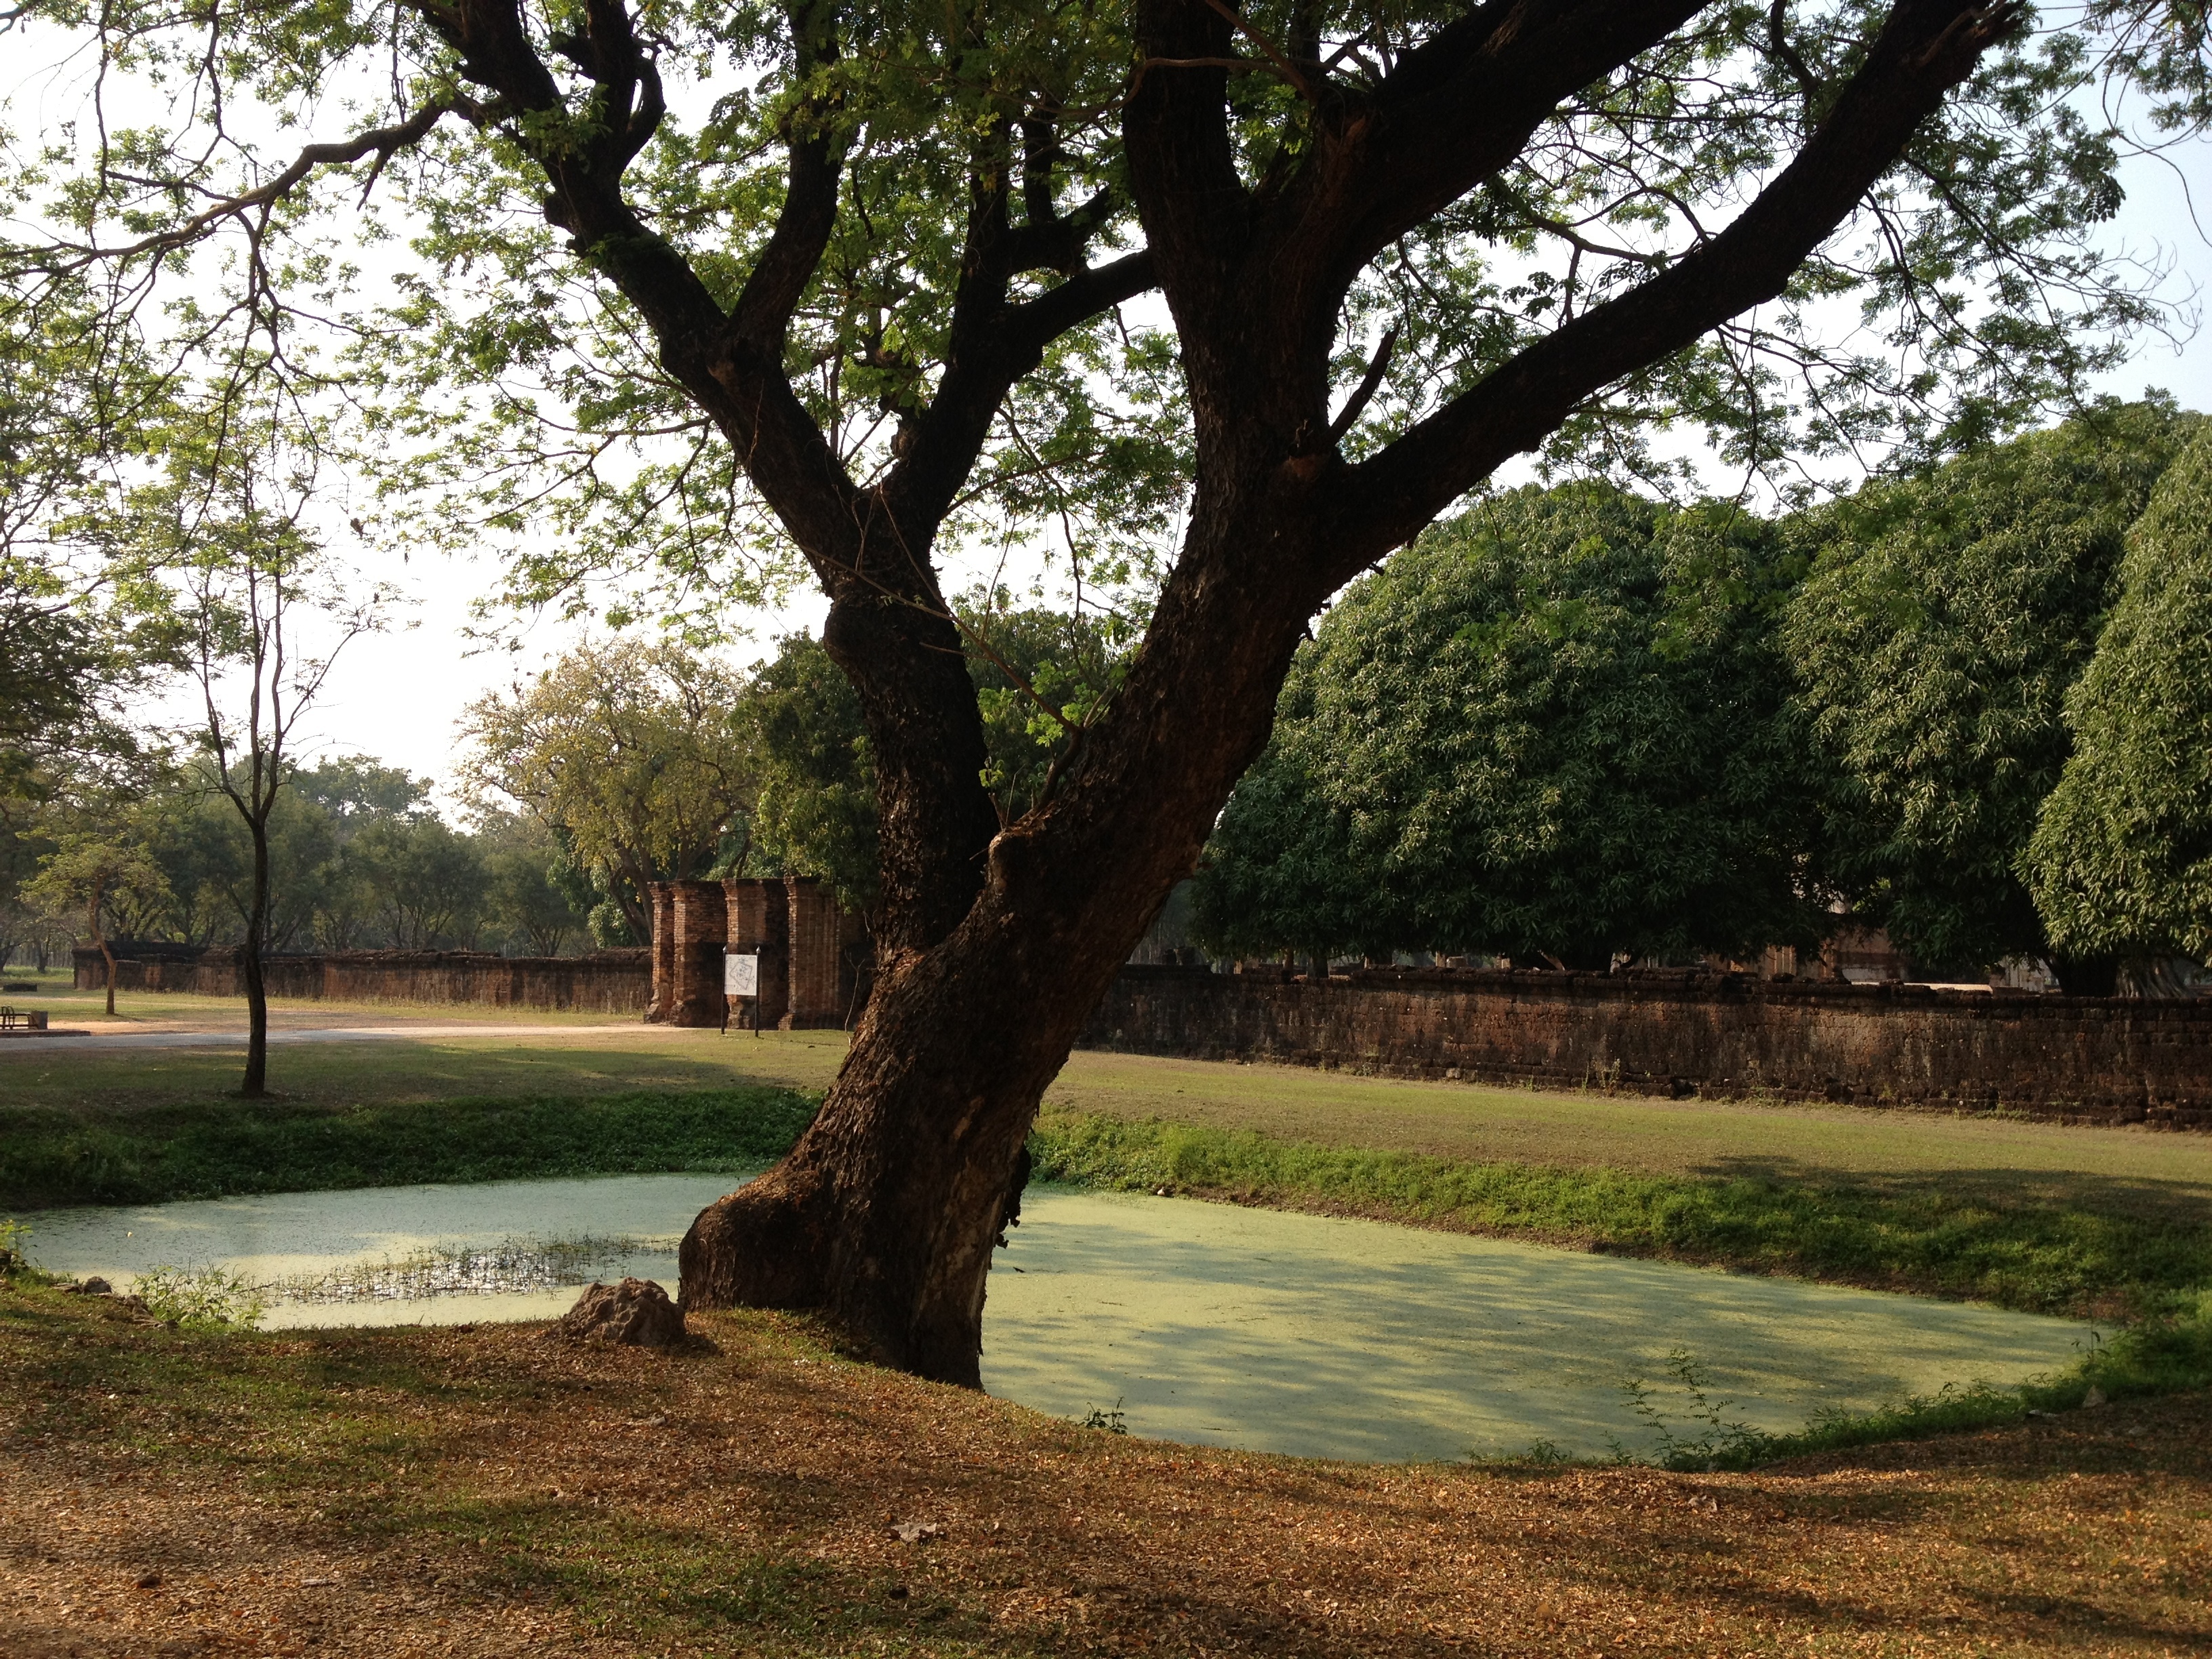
[{"x": 885, "y": 1215}]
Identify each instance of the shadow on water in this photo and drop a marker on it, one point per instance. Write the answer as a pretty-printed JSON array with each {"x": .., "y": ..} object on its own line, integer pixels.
[
  {"x": 1206, "y": 1322},
  {"x": 1348, "y": 1338}
]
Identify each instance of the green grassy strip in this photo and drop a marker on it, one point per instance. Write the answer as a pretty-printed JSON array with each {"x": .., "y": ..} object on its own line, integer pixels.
[
  {"x": 2163, "y": 1355},
  {"x": 205, "y": 1150},
  {"x": 1921, "y": 1237}
]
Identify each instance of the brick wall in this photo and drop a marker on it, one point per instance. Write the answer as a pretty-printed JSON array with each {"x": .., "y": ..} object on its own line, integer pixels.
[
  {"x": 606, "y": 982},
  {"x": 2105, "y": 1060},
  {"x": 661, "y": 900},
  {"x": 699, "y": 922},
  {"x": 760, "y": 921}
]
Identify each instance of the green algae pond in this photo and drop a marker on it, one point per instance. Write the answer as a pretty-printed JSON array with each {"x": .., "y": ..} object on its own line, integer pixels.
[{"x": 1178, "y": 1319}]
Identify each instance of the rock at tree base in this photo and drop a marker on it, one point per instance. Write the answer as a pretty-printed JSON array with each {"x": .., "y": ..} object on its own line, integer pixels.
[{"x": 636, "y": 1313}]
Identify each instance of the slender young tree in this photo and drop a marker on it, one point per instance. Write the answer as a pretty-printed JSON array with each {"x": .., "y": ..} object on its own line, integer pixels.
[
  {"x": 863, "y": 269},
  {"x": 224, "y": 537}
]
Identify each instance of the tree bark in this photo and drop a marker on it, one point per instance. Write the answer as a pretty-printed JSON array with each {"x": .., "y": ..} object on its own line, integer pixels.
[
  {"x": 107, "y": 956},
  {"x": 885, "y": 1215},
  {"x": 255, "y": 1084}
]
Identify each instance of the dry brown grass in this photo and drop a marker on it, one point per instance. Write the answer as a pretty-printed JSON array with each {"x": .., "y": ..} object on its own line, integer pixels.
[{"x": 487, "y": 1491}]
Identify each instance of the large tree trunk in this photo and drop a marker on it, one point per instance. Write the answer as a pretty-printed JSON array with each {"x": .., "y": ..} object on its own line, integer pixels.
[{"x": 885, "y": 1215}]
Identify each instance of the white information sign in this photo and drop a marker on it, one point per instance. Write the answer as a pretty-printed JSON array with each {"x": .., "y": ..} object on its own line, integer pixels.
[{"x": 741, "y": 975}]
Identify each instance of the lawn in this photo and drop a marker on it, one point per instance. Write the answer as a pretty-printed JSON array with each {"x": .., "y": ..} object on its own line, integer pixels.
[
  {"x": 110, "y": 1081},
  {"x": 482, "y": 1492}
]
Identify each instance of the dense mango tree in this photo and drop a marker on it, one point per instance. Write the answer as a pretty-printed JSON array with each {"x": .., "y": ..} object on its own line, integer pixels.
[{"x": 865, "y": 281}]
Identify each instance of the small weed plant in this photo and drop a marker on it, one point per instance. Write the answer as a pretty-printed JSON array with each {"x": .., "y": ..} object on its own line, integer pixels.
[
  {"x": 201, "y": 1299},
  {"x": 1111, "y": 1420},
  {"x": 14, "y": 1243},
  {"x": 1707, "y": 1439}
]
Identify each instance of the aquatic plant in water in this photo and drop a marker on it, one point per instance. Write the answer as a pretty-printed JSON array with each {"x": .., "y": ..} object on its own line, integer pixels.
[
  {"x": 203, "y": 1298},
  {"x": 1112, "y": 1420},
  {"x": 13, "y": 1250},
  {"x": 512, "y": 1265}
]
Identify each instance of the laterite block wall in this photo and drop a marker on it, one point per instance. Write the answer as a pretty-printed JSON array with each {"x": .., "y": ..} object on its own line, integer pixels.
[
  {"x": 2104, "y": 1060},
  {"x": 606, "y": 982}
]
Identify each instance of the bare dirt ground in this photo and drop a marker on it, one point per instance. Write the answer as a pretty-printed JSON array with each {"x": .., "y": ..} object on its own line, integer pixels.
[{"x": 491, "y": 1492}]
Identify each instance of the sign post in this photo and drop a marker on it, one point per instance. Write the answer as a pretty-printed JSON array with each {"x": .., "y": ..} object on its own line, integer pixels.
[{"x": 741, "y": 978}]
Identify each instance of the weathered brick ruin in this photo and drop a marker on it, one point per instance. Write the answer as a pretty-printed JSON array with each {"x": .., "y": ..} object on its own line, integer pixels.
[
  {"x": 2089, "y": 1059},
  {"x": 815, "y": 959},
  {"x": 605, "y": 981}
]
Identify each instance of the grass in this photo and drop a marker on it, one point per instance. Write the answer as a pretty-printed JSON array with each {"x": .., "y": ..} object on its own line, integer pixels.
[
  {"x": 112, "y": 1083},
  {"x": 173, "y": 1009},
  {"x": 2114, "y": 1262},
  {"x": 488, "y": 1492},
  {"x": 1590, "y": 1128},
  {"x": 204, "y": 1149}
]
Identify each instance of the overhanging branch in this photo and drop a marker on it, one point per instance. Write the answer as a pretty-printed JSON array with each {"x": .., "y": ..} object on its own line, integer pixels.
[
  {"x": 1924, "y": 49},
  {"x": 381, "y": 142}
]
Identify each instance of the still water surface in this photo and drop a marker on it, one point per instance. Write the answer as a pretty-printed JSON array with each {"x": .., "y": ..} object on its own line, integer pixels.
[{"x": 1201, "y": 1322}]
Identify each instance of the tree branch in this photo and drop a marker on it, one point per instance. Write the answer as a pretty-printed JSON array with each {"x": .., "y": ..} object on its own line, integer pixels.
[
  {"x": 1183, "y": 167},
  {"x": 1458, "y": 110},
  {"x": 1377, "y": 367},
  {"x": 1924, "y": 49},
  {"x": 381, "y": 143}
]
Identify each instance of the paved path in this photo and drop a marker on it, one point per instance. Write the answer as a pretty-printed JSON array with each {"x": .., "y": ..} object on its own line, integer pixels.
[{"x": 328, "y": 1034}]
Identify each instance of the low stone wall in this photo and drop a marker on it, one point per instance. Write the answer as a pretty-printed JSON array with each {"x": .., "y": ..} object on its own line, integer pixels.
[
  {"x": 605, "y": 981},
  {"x": 2087, "y": 1058}
]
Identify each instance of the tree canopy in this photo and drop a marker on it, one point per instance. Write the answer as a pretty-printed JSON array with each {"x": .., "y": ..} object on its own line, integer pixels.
[
  {"x": 633, "y": 753},
  {"x": 2121, "y": 860},
  {"x": 1551, "y": 728},
  {"x": 1946, "y": 617}
]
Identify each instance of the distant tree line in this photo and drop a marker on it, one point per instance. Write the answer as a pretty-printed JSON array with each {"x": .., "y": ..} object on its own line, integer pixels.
[
  {"x": 1972, "y": 706},
  {"x": 360, "y": 859},
  {"x": 649, "y": 762},
  {"x": 623, "y": 764}
]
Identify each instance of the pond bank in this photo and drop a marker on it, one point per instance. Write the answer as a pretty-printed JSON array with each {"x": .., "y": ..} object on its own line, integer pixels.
[
  {"x": 2018, "y": 1231},
  {"x": 1209, "y": 1323}
]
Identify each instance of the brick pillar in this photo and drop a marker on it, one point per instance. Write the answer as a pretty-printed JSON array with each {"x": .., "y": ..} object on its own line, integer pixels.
[
  {"x": 814, "y": 1001},
  {"x": 701, "y": 925},
  {"x": 760, "y": 916},
  {"x": 660, "y": 900}
]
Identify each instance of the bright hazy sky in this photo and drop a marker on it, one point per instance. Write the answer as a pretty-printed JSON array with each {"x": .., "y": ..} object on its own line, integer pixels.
[{"x": 395, "y": 697}]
